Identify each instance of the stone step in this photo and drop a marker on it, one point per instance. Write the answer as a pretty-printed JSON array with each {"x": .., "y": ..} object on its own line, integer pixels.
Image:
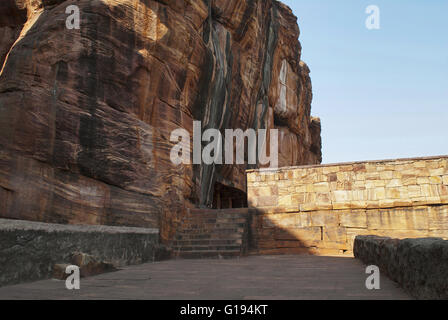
[
  {"x": 217, "y": 214},
  {"x": 207, "y": 233},
  {"x": 212, "y": 226},
  {"x": 204, "y": 236},
  {"x": 216, "y": 219},
  {"x": 236, "y": 247},
  {"x": 208, "y": 242},
  {"x": 218, "y": 211},
  {"x": 212, "y": 254},
  {"x": 221, "y": 231}
]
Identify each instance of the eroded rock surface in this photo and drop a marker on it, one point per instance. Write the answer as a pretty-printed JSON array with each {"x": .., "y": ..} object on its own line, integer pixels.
[
  {"x": 418, "y": 265},
  {"x": 86, "y": 115}
]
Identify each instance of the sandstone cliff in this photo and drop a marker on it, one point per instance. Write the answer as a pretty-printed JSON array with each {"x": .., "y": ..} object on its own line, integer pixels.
[{"x": 86, "y": 115}]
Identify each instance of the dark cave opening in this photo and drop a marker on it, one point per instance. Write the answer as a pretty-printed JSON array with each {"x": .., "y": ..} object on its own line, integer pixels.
[{"x": 226, "y": 197}]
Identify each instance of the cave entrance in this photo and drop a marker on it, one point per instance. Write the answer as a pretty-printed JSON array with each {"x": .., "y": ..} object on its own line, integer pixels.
[{"x": 227, "y": 197}]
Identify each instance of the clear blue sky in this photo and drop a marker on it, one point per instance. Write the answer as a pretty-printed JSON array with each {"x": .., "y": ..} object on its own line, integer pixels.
[{"x": 382, "y": 93}]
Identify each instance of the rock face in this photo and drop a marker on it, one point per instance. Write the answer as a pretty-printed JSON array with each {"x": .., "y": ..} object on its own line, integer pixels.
[
  {"x": 420, "y": 266},
  {"x": 86, "y": 115}
]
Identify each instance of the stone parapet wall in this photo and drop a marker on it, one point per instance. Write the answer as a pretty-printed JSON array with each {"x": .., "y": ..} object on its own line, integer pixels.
[
  {"x": 322, "y": 208},
  {"x": 420, "y": 266},
  {"x": 29, "y": 250}
]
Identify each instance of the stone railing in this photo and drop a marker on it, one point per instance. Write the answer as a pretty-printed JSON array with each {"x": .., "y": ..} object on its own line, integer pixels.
[
  {"x": 420, "y": 266},
  {"x": 322, "y": 208},
  {"x": 29, "y": 250}
]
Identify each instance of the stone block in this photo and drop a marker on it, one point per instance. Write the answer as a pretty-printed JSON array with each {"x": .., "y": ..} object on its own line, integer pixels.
[
  {"x": 358, "y": 204},
  {"x": 379, "y": 183},
  {"x": 414, "y": 191},
  {"x": 359, "y": 185},
  {"x": 436, "y": 172},
  {"x": 359, "y": 195},
  {"x": 342, "y": 205},
  {"x": 386, "y": 203},
  {"x": 444, "y": 199},
  {"x": 341, "y": 196},
  {"x": 284, "y": 183},
  {"x": 289, "y": 220},
  {"x": 310, "y": 188},
  {"x": 267, "y": 201},
  {"x": 438, "y": 218},
  {"x": 435, "y": 180},
  {"x": 402, "y": 234},
  {"x": 251, "y": 177},
  {"x": 300, "y": 189},
  {"x": 304, "y": 219},
  {"x": 324, "y": 218},
  {"x": 309, "y": 206},
  {"x": 403, "y": 203},
  {"x": 373, "y": 176},
  {"x": 353, "y": 219},
  {"x": 289, "y": 244},
  {"x": 285, "y": 201},
  {"x": 352, "y": 233},
  {"x": 331, "y": 169},
  {"x": 360, "y": 167},
  {"x": 298, "y": 198},
  {"x": 419, "y": 164},
  {"x": 346, "y": 168},
  {"x": 445, "y": 180},
  {"x": 394, "y": 193},
  {"x": 419, "y": 201},
  {"x": 264, "y": 191},
  {"x": 335, "y": 234},
  {"x": 373, "y": 204},
  {"x": 322, "y": 187},
  {"x": 438, "y": 234},
  {"x": 323, "y": 200},
  {"x": 431, "y": 191},
  {"x": 309, "y": 179},
  {"x": 394, "y": 183},
  {"x": 433, "y": 164},
  {"x": 343, "y": 176},
  {"x": 310, "y": 197},
  {"x": 397, "y": 175},
  {"x": 442, "y": 190},
  {"x": 379, "y": 194},
  {"x": 407, "y": 181},
  {"x": 308, "y": 236},
  {"x": 386, "y": 175},
  {"x": 370, "y": 184},
  {"x": 422, "y": 180},
  {"x": 397, "y": 219}
]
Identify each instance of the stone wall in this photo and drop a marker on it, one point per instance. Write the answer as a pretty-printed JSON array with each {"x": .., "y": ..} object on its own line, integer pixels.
[
  {"x": 320, "y": 209},
  {"x": 420, "y": 266},
  {"x": 29, "y": 250}
]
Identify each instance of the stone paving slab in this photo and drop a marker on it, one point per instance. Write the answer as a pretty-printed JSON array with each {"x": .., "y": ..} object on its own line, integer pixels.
[{"x": 255, "y": 277}]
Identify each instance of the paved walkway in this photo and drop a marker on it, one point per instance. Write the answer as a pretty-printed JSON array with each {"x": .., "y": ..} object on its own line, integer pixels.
[{"x": 255, "y": 277}]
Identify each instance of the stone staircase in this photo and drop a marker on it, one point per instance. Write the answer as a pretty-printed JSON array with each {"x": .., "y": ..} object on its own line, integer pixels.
[{"x": 208, "y": 233}]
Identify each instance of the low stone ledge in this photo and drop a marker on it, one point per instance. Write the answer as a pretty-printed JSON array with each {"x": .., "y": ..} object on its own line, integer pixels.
[
  {"x": 420, "y": 266},
  {"x": 29, "y": 250}
]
